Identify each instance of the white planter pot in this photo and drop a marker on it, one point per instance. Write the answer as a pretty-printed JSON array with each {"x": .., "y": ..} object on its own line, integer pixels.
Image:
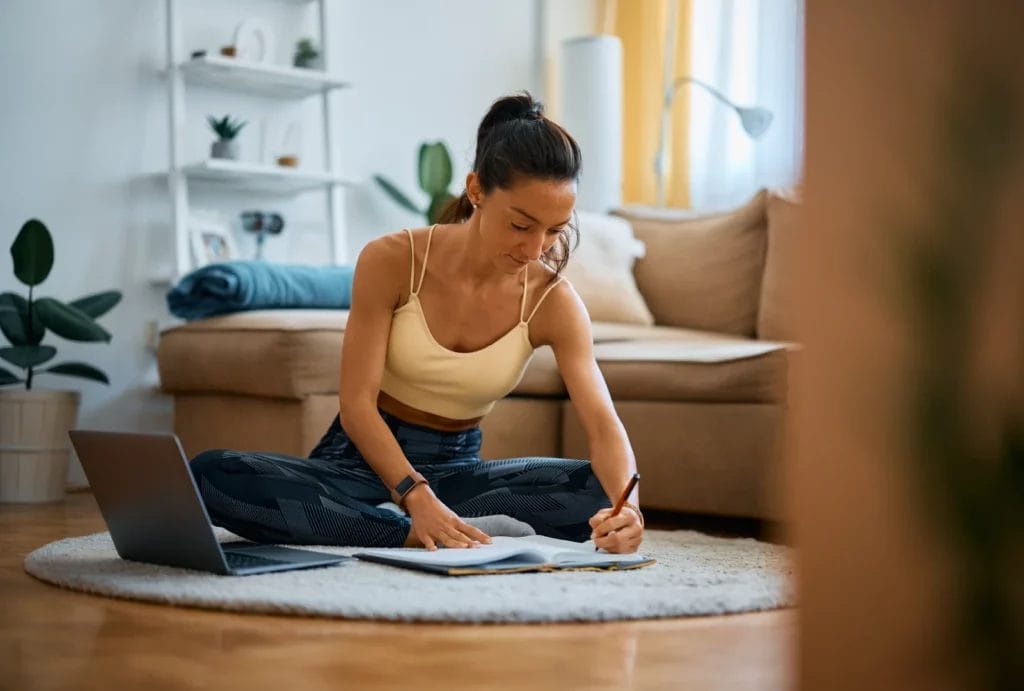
[
  {"x": 34, "y": 445},
  {"x": 224, "y": 148}
]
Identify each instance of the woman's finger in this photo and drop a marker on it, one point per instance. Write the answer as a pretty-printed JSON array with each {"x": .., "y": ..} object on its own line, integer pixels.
[
  {"x": 444, "y": 540},
  {"x": 457, "y": 538},
  {"x": 599, "y": 517},
  {"x": 613, "y": 523},
  {"x": 475, "y": 533},
  {"x": 428, "y": 542}
]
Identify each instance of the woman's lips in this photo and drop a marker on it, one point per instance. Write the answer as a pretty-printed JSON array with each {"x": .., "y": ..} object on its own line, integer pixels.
[{"x": 518, "y": 261}]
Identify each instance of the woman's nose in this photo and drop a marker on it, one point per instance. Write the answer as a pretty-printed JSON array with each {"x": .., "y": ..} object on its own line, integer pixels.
[{"x": 533, "y": 248}]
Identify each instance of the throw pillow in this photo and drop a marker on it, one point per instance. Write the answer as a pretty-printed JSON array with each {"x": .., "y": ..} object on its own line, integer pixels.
[
  {"x": 702, "y": 271},
  {"x": 776, "y": 313},
  {"x": 601, "y": 270}
]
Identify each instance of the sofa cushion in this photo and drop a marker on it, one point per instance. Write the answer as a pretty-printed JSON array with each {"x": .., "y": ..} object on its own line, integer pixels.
[
  {"x": 601, "y": 270},
  {"x": 702, "y": 272},
  {"x": 695, "y": 370},
  {"x": 275, "y": 353},
  {"x": 776, "y": 312},
  {"x": 606, "y": 332}
]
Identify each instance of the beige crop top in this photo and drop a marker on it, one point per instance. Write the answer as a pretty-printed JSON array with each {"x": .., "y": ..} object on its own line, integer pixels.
[{"x": 421, "y": 373}]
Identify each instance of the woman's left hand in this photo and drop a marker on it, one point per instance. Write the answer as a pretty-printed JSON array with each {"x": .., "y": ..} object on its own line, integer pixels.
[{"x": 620, "y": 534}]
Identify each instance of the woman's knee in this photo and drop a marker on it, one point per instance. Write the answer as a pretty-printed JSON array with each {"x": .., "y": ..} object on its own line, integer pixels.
[{"x": 206, "y": 462}]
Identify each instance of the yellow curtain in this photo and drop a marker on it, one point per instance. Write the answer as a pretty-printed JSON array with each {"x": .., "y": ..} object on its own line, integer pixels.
[{"x": 642, "y": 24}]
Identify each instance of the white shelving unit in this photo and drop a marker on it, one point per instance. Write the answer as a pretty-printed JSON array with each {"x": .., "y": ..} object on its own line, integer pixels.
[
  {"x": 241, "y": 76},
  {"x": 256, "y": 78},
  {"x": 258, "y": 177}
]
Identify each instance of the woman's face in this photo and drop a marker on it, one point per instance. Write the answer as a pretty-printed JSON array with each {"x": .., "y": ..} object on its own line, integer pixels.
[{"x": 519, "y": 224}]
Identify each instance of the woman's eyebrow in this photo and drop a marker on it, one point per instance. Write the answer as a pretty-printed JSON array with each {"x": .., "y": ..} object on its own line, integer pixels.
[{"x": 516, "y": 208}]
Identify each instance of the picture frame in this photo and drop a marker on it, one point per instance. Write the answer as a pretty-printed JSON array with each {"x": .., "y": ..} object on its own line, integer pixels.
[{"x": 211, "y": 241}]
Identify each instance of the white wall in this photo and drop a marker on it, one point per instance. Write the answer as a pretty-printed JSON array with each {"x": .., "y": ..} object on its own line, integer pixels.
[{"x": 83, "y": 139}]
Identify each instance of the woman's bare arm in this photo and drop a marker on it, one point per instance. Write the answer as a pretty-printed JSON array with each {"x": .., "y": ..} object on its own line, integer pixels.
[
  {"x": 565, "y": 326},
  {"x": 375, "y": 294}
]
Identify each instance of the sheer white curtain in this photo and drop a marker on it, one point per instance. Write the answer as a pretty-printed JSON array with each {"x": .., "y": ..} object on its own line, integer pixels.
[{"x": 751, "y": 51}]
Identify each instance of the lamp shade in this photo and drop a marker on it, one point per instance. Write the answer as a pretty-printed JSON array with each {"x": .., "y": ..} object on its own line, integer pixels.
[{"x": 591, "y": 104}]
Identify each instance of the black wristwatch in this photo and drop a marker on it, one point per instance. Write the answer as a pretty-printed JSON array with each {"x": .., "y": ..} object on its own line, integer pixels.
[{"x": 406, "y": 485}]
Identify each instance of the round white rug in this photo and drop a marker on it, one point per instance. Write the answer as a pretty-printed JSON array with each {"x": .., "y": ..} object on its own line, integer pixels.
[{"x": 696, "y": 574}]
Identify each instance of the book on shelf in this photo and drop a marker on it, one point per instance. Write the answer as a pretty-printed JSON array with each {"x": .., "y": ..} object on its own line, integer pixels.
[{"x": 507, "y": 555}]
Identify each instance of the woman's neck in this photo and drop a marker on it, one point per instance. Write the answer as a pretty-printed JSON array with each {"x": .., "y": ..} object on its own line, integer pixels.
[{"x": 473, "y": 262}]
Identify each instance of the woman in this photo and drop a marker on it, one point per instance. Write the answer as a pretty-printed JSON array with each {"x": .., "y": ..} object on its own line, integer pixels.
[{"x": 443, "y": 323}]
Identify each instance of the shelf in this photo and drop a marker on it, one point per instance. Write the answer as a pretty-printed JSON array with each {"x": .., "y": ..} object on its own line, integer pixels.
[
  {"x": 260, "y": 178},
  {"x": 258, "y": 78}
]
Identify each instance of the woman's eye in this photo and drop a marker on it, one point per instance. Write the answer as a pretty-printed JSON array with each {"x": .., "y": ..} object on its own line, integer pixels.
[
  {"x": 556, "y": 231},
  {"x": 517, "y": 227}
]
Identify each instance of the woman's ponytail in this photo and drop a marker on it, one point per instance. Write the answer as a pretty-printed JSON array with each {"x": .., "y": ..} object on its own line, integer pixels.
[{"x": 457, "y": 210}]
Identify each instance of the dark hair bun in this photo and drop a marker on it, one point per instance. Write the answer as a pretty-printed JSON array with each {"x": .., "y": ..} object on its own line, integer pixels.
[{"x": 521, "y": 106}]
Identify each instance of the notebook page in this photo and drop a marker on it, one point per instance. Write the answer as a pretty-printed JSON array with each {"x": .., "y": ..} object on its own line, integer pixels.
[
  {"x": 498, "y": 550},
  {"x": 566, "y": 552}
]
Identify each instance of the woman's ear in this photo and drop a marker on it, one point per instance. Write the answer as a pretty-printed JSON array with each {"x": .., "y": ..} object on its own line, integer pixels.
[{"x": 473, "y": 189}]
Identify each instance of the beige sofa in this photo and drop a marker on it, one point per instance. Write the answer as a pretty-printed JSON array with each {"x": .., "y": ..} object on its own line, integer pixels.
[{"x": 702, "y": 391}]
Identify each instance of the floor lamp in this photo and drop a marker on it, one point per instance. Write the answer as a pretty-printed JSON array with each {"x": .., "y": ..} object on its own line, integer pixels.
[
  {"x": 754, "y": 120},
  {"x": 591, "y": 98}
]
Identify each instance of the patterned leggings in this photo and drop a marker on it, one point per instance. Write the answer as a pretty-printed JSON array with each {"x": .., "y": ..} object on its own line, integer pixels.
[{"x": 331, "y": 498}]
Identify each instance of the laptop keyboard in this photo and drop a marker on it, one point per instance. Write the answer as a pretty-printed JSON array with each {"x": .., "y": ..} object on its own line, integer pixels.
[{"x": 237, "y": 560}]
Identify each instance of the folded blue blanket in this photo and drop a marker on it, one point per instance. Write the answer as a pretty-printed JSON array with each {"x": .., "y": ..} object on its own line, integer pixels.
[{"x": 249, "y": 285}]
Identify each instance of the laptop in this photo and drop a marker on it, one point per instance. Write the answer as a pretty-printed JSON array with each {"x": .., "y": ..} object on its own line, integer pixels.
[{"x": 151, "y": 505}]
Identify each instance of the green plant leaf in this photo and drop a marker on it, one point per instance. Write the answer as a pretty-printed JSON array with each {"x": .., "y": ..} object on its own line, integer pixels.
[
  {"x": 397, "y": 194},
  {"x": 32, "y": 252},
  {"x": 78, "y": 369},
  {"x": 435, "y": 168},
  {"x": 28, "y": 356},
  {"x": 98, "y": 304},
  {"x": 437, "y": 204},
  {"x": 226, "y": 128},
  {"x": 7, "y": 377},
  {"x": 69, "y": 322},
  {"x": 15, "y": 323}
]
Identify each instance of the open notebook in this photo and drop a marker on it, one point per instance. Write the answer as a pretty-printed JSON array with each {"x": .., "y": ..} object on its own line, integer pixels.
[{"x": 507, "y": 555}]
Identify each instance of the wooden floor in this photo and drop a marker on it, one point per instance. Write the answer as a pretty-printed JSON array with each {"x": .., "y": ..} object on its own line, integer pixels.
[{"x": 54, "y": 639}]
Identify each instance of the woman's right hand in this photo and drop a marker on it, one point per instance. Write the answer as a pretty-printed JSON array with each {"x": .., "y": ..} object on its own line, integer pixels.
[{"x": 435, "y": 524}]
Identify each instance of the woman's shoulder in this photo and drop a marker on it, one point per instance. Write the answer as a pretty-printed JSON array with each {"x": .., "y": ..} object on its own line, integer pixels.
[
  {"x": 549, "y": 290},
  {"x": 543, "y": 277},
  {"x": 394, "y": 247}
]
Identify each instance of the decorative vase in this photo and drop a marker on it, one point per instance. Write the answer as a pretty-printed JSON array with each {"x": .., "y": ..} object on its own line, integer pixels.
[
  {"x": 34, "y": 447},
  {"x": 224, "y": 148}
]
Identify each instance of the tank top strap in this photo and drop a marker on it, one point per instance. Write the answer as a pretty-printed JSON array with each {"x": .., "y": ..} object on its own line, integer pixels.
[
  {"x": 412, "y": 262},
  {"x": 544, "y": 295},
  {"x": 522, "y": 300},
  {"x": 426, "y": 255}
]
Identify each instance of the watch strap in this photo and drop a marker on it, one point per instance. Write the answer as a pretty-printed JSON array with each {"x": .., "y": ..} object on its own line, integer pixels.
[{"x": 406, "y": 485}]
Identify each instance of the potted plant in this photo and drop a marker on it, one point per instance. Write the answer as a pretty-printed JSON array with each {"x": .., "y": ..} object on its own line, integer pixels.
[
  {"x": 306, "y": 54},
  {"x": 34, "y": 424},
  {"x": 226, "y": 129},
  {"x": 435, "y": 175}
]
